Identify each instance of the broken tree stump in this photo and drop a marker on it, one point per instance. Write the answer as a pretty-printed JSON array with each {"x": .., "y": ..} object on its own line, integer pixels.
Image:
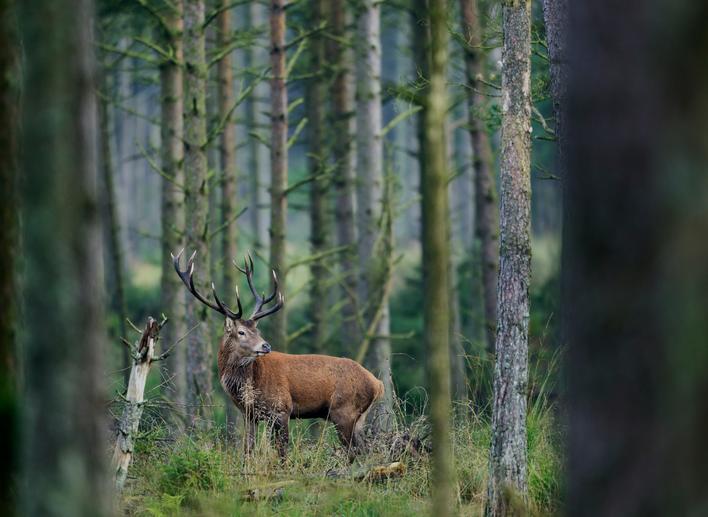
[{"x": 143, "y": 354}]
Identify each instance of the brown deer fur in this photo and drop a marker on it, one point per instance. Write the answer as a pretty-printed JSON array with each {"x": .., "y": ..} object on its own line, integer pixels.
[{"x": 275, "y": 387}]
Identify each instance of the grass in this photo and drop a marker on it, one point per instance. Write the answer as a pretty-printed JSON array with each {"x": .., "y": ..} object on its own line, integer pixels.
[{"x": 207, "y": 474}]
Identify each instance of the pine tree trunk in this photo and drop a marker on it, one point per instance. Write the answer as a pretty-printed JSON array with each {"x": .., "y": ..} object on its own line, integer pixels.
[
  {"x": 555, "y": 16},
  {"x": 507, "y": 466},
  {"x": 372, "y": 260},
  {"x": 436, "y": 259},
  {"x": 9, "y": 221},
  {"x": 486, "y": 216},
  {"x": 199, "y": 389},
  {"x": 227, "y": 151},
  {"x": 257, "y": 154},
  {"x": 278, "y": 163},
  {"x": 343, "y": 173},
  {"x": 114, "y": 269},
  {"x": 63, "y": 339},
  {"x": 172, "y": 293},
  {"x": 317, "y": 160}
]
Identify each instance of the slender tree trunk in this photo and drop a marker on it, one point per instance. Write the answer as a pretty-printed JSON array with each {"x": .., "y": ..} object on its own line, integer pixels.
[
  {"x": 227, "y": 151},
  {"x": 317, "y": 159},
  {"x": 436, "y": 259},
  {"x": 634, "y": 284},
  {"x": 373, "y": 262},
  {"x": 172, "y": 298},
  {"x": 115, "y": 269},
  {"x": 343, "y": 172},
  {"x": 63, "y": 339},
  {"x": 257, "y": 155},
  {"x": 555, "y": 16},
  {"x": 278, "y": 162},
  {"x": 486, "y": 217},
  {"x": 507, "y": 464},
  {"x": 9, "y": 242},
  {"x": 199, "y": 387}
]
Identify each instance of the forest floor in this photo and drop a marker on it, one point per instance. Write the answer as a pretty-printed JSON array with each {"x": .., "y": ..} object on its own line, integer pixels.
[{"x": 206, "y": 473}]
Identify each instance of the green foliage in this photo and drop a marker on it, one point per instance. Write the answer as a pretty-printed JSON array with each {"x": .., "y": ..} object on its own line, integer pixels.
[{"x": 192, "y": 468}]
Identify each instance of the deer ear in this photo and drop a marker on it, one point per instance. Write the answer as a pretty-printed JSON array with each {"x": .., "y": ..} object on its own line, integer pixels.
[{"x": 228, "y": 324}]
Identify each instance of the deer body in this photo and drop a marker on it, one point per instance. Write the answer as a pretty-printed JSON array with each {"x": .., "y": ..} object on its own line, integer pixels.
[{"x": 275, "y": 387}]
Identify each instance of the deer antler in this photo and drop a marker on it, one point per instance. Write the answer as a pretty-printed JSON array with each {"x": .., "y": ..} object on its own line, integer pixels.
[
  {"x": 187, "y": 277},
  {"x": 261, "y": 300}
]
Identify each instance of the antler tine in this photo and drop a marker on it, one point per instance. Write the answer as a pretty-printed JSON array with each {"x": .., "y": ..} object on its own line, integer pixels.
[
  {"x": 187, "y": 277},
  {"x": 275, "y": 308},
  {"x": 228, "y": 312},
  {"x": 261, "y": 299}
]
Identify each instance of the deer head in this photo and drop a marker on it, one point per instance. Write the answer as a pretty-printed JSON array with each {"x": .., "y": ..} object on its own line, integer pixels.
[{"x": 242, "y": 340}]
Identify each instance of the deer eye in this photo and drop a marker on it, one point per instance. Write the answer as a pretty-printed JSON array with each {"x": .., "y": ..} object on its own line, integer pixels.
[{"x": 241, "y": 333}]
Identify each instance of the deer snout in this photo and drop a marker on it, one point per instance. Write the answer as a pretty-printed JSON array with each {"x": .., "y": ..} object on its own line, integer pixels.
[{"x": 265, "y": 348}]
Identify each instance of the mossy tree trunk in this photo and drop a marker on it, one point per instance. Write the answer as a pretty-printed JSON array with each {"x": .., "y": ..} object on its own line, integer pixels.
[
  {"x": 486, "y": 209},
  {"x": 278, "y": 163},
  {"x": 436, "y": 259},
  {"x": 199, "y": 372},
  {"x": 63, "y": 341},
  {"x": 343, "y": 170},
  {"x": 507, "y": 486},
  {"x": 172, "y": 293}
]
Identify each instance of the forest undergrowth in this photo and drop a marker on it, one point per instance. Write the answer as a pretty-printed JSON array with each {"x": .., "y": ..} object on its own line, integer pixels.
[{"x": 206, "y": 473}]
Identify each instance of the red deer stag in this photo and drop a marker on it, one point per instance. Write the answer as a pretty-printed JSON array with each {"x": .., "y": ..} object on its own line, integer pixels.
[{"x": 275, "y": 387}]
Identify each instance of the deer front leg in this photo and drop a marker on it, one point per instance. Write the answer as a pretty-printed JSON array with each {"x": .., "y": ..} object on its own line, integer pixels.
[
  {"x": 281, "y": 435},
  {"x": 250, "y": 434}
]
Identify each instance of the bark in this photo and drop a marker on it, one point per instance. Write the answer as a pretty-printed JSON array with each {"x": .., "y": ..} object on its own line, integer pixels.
[
  {"x": 486, "y": 216},
  {"x": 371, "y": 250},
  {"x": 114, "y": 269},
  {"x": 143, "y": 357},
  {"x": 507, "y": 465},
  {"x": 172, "y": 293},
  {"x": 317, "y": 160},
  {"x": 634, "y": 284},
  {"x": 9, "y": 128},
  {"x": 63, "y": 341},
  {"x": 257, "y": 154},
  {"x": 199, "y": 389},
  {"x": 278, "y": 162},
  {"x": 227, "y": 151},
  {"x": 436, "y": 259},
  {"x": 343, "y": 170},
  {"x": 555, "y": 16}
]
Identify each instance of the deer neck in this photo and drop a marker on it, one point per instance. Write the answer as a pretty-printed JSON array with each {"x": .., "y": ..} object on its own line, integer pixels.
[{"x": 236, "y": 376}]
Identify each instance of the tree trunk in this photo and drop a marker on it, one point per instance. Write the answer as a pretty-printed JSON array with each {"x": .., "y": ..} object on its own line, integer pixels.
[
  {"x": 372, "y": 258},
  {"x": 9, "y": 221},
  {"x": 257, "y": 154},
  {"x": 278, "y": 162},
  {"x": 199, "y": 389},
  {"x": 507, "y": 465},
  {"x": 115, "y": 253},
  {"x": 63, "y": 339},
  {"x": 486, "y": 216},
  {"x": 634, "y": 284},
  {"x": 436, "y": 259},
  {"x": 343, "y": 172},
  {"x": 144, "y": 355},
  {"x": 317, "y": 160},
  {"x": 555, "y": 16},
  {"x": 172, "y": 293}
]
